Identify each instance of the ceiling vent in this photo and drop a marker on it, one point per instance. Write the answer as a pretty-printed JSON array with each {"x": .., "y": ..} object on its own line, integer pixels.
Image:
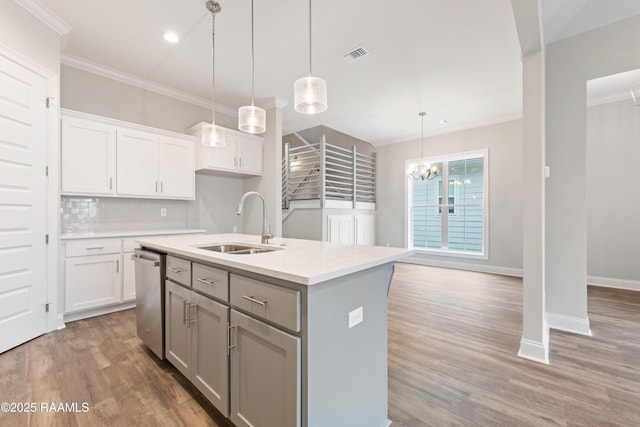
[{"x": 355, "y": 54}]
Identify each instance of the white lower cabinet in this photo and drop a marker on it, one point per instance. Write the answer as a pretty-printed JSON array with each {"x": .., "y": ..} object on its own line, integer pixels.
[
  {"x": 92, "y": 281},
  {"x": 265, "y": 374},
  {"x": 128, "y": 277},
  {"x": 196, "y": 333}
]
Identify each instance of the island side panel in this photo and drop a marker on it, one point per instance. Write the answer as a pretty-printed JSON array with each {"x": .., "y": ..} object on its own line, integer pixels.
[{"x": 346, "y": 367}]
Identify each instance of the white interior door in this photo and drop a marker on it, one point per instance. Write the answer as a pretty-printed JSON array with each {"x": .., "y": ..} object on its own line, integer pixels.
[{"x": 23, "y": 209}]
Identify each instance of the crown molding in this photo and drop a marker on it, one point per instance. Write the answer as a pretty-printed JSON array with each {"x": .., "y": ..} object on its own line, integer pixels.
[
  {"x": 615, "y": 97},
  {"x": 132, "y": 80},
  {"x": 49, "y": 18}
]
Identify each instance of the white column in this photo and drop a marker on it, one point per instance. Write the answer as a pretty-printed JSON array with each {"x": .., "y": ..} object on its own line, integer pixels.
[{"x": 534, "y": 344}]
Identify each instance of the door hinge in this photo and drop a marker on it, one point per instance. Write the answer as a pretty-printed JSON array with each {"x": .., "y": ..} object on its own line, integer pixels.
[
  {"x": 46, "y": 239},
  {"x": 46, "y": 307},
  {"x": 49, "y": 101},
  {"x": 46, "y": 171}
]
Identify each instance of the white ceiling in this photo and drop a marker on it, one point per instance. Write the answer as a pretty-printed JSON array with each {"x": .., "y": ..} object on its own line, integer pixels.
[{"x": 457, "y": 60}]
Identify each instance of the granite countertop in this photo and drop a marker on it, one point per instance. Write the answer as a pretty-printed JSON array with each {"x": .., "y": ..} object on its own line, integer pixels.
[
  {"x": 300, "y": 261},
  {"x": 127, "y": 233}
]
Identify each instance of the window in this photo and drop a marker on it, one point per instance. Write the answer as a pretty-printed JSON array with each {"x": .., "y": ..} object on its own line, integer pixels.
[{"x": 450, "y": 218}]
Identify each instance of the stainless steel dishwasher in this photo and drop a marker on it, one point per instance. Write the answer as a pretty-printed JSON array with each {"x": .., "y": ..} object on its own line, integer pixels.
[{"x": 150, "y": 270}]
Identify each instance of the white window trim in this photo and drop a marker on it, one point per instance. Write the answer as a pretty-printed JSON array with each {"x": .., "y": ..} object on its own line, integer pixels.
[{"x": 408, "y": 243}]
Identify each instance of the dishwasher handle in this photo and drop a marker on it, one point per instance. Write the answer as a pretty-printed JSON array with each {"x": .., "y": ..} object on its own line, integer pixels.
[{"x": 147, "y": 262}]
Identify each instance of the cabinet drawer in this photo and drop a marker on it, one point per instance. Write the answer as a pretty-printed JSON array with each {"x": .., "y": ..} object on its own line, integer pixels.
[
  {"x": 93, "y": 247},
  {"x": 210, "y": 281},
  {"x": 274, "y": 303},
  {"x": 179, "y": 270}
]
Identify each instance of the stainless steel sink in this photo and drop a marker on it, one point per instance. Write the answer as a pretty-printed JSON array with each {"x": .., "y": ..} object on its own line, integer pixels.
[{"x": 236, "y": 249}]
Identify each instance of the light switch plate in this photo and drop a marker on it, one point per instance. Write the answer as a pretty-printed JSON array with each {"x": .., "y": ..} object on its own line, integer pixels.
[
  {"x": 356, "y": 316},
  {"x": 163, "y": 211}
]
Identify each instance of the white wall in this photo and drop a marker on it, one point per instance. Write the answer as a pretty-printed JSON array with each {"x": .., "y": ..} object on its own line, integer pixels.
[
  {"x": 504, "y": 141},
  {"x": 613, "y": 191},
  {"x": 569, "y": 64}
]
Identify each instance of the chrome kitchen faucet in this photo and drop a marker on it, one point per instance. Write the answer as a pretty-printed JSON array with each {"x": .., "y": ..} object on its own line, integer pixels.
[{"x": 265, "y": 235}]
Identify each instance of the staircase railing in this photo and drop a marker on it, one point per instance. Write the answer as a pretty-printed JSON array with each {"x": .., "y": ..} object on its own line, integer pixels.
[{"x": 324, "y": 172}]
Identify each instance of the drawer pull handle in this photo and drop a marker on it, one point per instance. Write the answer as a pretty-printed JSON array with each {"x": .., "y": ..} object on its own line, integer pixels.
[
  {"x": 252, "y": 299},
  {"x": 184, "y": 312},
  {"x": 174, "y": 270},
  {"x": 191, "y": 319},
  {"x": 205, "y": 281},
  {"x": 95, "y": 248}
]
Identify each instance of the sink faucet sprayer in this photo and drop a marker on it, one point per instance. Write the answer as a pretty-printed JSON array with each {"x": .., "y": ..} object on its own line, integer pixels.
[{"x": 265, "y": 235}]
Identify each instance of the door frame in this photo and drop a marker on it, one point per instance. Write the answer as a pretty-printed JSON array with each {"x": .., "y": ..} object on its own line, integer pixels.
[{"x": 54, "y": 318}]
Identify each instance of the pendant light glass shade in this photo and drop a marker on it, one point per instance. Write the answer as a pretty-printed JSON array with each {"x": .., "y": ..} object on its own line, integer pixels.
[
  {"x": 213, "y": 136},
  {"x": 310, "y": 95},
  {"x": 251, "y": 119},
  {"x": 424, "y": 170}
]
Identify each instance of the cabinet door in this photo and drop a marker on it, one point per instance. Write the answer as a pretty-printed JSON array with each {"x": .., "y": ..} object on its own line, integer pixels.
[
  {"x": 249, "y": 152},
  {"x": 176, "y": 168},
  {"x": 128, "y": 277},
  {"x": 265, "y": 374},
  {"x": 365, "y": 230},
  {"x": 340, "y": 229},
  {"x": 92, "y": 281},
  {"x": 177, "y": 337},
  {"x": 209, "y": 347},
  {"x": 88, "y": 152},
  {"x": 137, "y": 154},
  {"x": 223, "y": 157}
]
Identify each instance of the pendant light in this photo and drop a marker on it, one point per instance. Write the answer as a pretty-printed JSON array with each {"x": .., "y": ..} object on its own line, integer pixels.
[
  {"x": 212, "y": 135},
  {"x": 310, "y": 93},
  {"x": 252, "y": 119},
  {"x": 423, "y": 171}
]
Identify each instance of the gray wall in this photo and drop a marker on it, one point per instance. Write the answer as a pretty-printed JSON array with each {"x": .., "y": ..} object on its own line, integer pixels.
[
  {"x": 216, "y": 197},
  {"x": 504, "y": 141},
  {"x": 334, "y": 137},
  {"x": 613, "y": 190},
  {"x": 94, "y": 94},
  {"x": 569, "y": 64},
  {"x": 23, "y": 33}
]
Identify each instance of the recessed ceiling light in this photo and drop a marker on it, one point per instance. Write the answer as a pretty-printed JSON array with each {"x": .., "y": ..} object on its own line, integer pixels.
[{"x": 171, "y": 37}]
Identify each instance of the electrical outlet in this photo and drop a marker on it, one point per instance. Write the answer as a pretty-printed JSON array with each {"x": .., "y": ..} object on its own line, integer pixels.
[
  {"x": 235, "y": 229},
  {"x": 163, "y": 211},
  {"x": 356, "y": 316}
]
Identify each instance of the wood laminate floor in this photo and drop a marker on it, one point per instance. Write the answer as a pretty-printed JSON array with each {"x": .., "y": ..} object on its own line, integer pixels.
[{"x": 453, "y": 340}]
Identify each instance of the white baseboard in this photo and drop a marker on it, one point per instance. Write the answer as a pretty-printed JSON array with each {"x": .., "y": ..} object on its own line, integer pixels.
[
  {"x": 60, "y": 322},
  {"x": 482, "y": 268},
  {"x": 576, "y": 325},
  {"x": 608, "y": 282},
  {"x": 534, "y": 350},
  {"x": 72, "y": 317}
]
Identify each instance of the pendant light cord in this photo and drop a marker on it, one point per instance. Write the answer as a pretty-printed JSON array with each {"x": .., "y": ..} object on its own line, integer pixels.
[
  {"x": 213, "y": 66},
  {"x": 422, "y": 138},
  {"x": 310, "y": 38},
  {"x": 253, "y": 73}
]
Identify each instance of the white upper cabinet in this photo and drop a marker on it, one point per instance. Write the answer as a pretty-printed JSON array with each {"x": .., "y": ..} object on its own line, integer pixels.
[
  {"x": 241, "y": 155},
  {"x": 88, "y": 157},
  {"x": 137, "y": 163},
  {"x": 107, "y": 157},
  {"x": 175, "y": 157}
]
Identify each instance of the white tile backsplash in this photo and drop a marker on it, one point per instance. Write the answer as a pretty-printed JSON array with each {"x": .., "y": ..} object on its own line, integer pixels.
[{"x": 82, "y": 214}]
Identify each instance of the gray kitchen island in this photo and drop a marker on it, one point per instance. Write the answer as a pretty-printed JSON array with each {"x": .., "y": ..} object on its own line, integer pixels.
[{"x": 290, "y": 333}]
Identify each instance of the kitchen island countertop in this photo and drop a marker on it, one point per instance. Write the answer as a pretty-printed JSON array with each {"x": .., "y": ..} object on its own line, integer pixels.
[{"x": 306, "y": 262}]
